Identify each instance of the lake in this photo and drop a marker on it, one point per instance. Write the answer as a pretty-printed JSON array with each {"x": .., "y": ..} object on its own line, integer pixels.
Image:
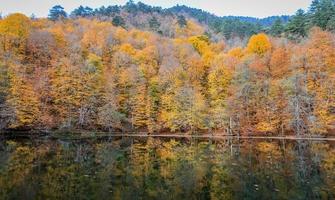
[{"x": 166, "y": 168}]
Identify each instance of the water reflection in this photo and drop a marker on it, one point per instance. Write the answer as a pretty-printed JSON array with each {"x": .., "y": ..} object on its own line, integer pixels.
[{"x": 133, "y": 168}]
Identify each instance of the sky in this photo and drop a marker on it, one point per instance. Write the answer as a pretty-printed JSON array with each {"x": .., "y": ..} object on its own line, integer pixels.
[{"x": 253, "y": 8}]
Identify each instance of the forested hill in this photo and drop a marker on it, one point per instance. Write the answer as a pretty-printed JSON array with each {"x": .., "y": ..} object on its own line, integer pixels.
[
  {"x": 159, "y": 20},
  {"x": 142, "y": 68},
  {"x": 208, "y": 18},
  {"x": 265, "y": 22},
  {"x": 146, "y": 17}
]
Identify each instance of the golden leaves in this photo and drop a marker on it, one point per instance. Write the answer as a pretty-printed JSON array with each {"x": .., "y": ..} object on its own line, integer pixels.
[{"x": 259, "y": 44}]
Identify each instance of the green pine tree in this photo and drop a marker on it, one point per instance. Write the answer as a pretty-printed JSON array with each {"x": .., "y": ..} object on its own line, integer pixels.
[
  {"x": 297, "y": 26},
  {"x": 277, "y": 28}
]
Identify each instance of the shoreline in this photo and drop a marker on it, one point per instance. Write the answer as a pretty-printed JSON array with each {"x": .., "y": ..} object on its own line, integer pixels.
[
  {"x": 224, "y": 137},
  {"x": 95, "y": 135}
]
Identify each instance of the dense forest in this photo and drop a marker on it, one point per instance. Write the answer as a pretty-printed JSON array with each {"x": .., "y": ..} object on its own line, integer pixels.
[{"x": 142, "y": 68}]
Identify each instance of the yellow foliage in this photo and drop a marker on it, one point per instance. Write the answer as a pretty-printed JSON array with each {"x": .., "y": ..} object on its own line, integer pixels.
[
  {"x": 191, "y": 29},
  {"x": 59, "y": 34},
  {"x": 265, "y": 127},
  {"x": 142, "y": 36},
  {"x": 96, "y": 34},
  {"x": 236, "y": 52},
  {"x": 218, "y": 47},
  {"x": 16, "y": 25},
  {"x": 140, "y": 118},
  {"x": 128, "y": 48},
  {"x": 14, "y": 30},
  {"x": 167, "y": 151},
  {"x": 147, "y": 61},
  {"x": 259, "y": 44},
  {"x": 73, "y": 89},
  {"x": 219, "y": 80},
  {"x": 202, "y": 45},
  {"x": 95, "y": 61},
  {"x": 23, "y": 100},
  {"x": 120, "y": 34},
  {"x": 40, "y": 23},
  {"x": 329, "y": 162},
  {"x": 268, "y": 148}
]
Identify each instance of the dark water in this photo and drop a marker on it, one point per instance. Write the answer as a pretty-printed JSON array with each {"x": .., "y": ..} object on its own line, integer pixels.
[{"x": 152, "y": 168}]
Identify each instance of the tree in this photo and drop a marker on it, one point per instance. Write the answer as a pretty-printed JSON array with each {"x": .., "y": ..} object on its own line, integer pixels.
[
  {"x": 23, "y": 101},
  {"x": 118, "y": 21},
  {"x": 153, "y": 104},
  {"x": 109, "y": 11},
  {"x": 187, "y": 110},
  {"x": 331, "y": 24},
  {"x": 14, "y": 31},
  {"x": 259, "y": 44},
  {"x": 147, "y": 97},
  {"x": 321, "y": 12},
  {"x": 124, "y": 75},
  {"x": 297, "y": 26},
  {"x": 181, "y": 21},
  {"x": 41, "y": 49},
  {"x": 4, "y": 83},
  {"x": 183, "y": 106},
  {"x": 57, "y": 13},
  {"x": 76, "y": 94},
  {"x": 82, "y": 12},
  {"x": 139, "y": 108},
  {"x": 109, "y": 118},
  {"x": 232, "y": 28},
  {"x": 154, "y": 24},
  {"x": 277, "y": 28},
  {"x": 219, "y": 81},
  {"x": 6, "y": 114},
  {"x": 279, "y": 63},
  {"x": 92, "y": 73},
  {"x": 130, "y": 7},
  {"x": 17, "y": 25},
  {"x": 319, "y": 69}
]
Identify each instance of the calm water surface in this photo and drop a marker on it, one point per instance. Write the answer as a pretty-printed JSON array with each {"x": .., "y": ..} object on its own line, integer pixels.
[{"x": 153, "y": 168}]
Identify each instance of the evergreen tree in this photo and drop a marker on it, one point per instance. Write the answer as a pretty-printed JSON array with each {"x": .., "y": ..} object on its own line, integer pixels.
[
  {"x": 314, "y": 6},
  {"x": 57, "y": 12},
  {"x": 321, "y": 11},
  {"x": 118, "y": 21},
  {"x": 109, "y": 11},
  {"x": 331, "y": 24},
  {"x": 82, "y": 12},
  {"x": 297, "y": 26},
  {"x": 130, "y": 7},
  {"x": 277, "y": 28},
  {"x": 182, "y": 21},
  {"x": 154, "y": 24}
]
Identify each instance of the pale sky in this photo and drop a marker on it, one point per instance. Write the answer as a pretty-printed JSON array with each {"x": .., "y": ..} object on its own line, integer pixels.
[{"x": 254, "y": 8}]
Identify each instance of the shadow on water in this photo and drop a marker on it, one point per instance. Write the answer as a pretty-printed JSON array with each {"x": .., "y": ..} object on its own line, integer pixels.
[{"x": 166, "y": 168}]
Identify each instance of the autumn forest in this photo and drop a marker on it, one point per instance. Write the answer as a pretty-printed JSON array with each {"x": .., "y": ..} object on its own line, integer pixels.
[{"x": 138, "y": 68}]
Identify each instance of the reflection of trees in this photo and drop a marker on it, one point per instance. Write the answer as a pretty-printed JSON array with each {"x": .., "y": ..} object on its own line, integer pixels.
[
  {"x": 328, "y": 166},
  {"x": 307, "y": 170},
  {"x": 323, "y": 158},
  {"x": 167, "y": 169},
  {"x": 17, "y": 169}
]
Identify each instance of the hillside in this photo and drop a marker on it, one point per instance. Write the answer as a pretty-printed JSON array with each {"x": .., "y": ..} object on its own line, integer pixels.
[
  {"x": 143, "y": 68},
  {"x": 156, "y": 19},
  {"x": 146, "y": 17}
]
